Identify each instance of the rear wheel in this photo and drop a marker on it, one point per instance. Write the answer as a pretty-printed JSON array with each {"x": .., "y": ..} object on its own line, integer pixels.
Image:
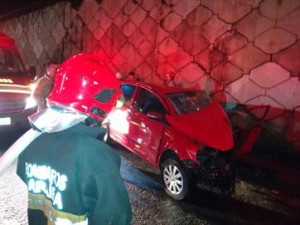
[{"x": 175, "y": 179}]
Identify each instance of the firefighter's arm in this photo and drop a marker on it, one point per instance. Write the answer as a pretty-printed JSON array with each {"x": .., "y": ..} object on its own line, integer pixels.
[
  {"x": 38, "y": 94},
  {"x": 103, "y": 190}
]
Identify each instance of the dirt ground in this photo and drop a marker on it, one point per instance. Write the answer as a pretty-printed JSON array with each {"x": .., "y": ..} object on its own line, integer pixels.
[{"x": 267, "y": 192}]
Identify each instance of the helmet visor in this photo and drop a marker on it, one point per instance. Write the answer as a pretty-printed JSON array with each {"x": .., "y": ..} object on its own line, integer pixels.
[{"x": 56, "y": 118}]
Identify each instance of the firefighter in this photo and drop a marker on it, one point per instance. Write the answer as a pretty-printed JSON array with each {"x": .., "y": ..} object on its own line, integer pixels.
[
  {"x": 170, "y": 79},
  {"x": 44, "y": 85},
  {"x": 71, "y": 176}
]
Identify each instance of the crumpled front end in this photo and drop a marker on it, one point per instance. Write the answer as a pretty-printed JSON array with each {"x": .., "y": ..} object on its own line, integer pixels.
[
  {"x": 210, "y": 126},
  {"x": 211, "y": 129}
]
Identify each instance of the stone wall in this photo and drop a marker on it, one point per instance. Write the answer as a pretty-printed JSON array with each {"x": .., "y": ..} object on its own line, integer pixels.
[{"x": 241, "y": 51}]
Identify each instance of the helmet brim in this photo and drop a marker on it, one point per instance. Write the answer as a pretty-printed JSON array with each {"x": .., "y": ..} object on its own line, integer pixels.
[{"x": 55, "y": 118}]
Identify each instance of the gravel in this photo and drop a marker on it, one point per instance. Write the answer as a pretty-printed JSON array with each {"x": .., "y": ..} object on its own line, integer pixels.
[{"x": 251, "y": 204}]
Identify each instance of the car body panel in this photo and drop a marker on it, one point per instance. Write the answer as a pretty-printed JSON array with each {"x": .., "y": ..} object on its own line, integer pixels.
[
  {"x": 181, "y": 139},
  {"x": 148, "y": 138},
  {"x": 182, "y": 145},
  {"x": 210, "y": 126},
  {"x": 183, "y": 134}
]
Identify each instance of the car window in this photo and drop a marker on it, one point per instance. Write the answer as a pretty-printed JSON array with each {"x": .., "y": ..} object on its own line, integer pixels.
[
  {"x": 186, "y": 102},
  {"x": 128, "y": 91},
  {"x": 10, "y": 63},
  {"x": 145, "y": 102}
]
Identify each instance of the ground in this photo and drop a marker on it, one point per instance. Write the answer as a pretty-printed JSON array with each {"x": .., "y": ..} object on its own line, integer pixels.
[{"x": 259, "y": 199}]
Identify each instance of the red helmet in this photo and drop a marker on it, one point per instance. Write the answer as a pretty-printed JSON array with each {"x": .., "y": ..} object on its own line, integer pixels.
[{"x": 86, "y": 84}]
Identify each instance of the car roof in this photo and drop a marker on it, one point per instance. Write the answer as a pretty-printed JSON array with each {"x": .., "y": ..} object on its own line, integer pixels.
[{"x": 159, "y": 88}]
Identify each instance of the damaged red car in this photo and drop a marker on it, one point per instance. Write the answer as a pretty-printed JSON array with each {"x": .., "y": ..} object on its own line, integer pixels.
[{"x": 180, "y": 131}]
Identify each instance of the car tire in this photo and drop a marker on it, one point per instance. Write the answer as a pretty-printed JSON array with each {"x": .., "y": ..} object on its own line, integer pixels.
[{"x": 175, "y": 179}]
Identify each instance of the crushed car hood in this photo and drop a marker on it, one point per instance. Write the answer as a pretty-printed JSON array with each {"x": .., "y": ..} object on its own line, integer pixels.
[{"x": 210, "y": 126}]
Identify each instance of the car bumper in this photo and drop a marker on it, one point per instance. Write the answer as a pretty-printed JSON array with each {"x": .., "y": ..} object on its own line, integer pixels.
[{"x": 16, "y": 121}]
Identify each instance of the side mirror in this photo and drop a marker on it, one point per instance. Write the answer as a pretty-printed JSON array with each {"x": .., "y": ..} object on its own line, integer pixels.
[{"x": 155, "y": 115}]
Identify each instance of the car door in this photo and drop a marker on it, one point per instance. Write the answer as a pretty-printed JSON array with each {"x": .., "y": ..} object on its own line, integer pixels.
[
  {"x": 150, "y": 130},
  {"x": 122, "y": 126}
]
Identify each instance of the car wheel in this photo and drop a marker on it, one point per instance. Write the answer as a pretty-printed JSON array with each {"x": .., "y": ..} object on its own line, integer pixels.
[{"x": 175, "y": 179}]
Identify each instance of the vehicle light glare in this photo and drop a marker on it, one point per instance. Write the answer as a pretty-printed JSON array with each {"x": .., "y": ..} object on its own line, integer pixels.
[
  {"x": 6, "y": 81},
  {"x": 32, "y": 86},
  {"x": 30, "y": 102},
  {"x": 119, "y": 121}
]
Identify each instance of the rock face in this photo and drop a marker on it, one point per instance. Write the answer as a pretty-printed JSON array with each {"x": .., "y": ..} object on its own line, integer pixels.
[{"x": 244, "y": 51}]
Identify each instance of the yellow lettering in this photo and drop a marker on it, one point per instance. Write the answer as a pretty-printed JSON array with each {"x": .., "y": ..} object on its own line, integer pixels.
[{"x": 45, "y": 180}]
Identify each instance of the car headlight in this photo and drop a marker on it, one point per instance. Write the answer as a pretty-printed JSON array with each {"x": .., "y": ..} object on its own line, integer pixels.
[{"x": 30, "y": 102}]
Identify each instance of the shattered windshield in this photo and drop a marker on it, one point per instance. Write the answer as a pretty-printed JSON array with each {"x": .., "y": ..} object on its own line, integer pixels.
[
  {"x": 186, "y": 102},
  {"x": 10, "y": 63}
]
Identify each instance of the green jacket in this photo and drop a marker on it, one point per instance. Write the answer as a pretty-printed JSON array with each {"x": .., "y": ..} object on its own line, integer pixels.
[{"x": 72, "y": 177}]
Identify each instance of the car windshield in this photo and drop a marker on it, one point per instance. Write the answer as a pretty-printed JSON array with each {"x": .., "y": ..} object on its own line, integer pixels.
[
  {"x": 186, "y": 102},
  {"x": 10, "y": 63}
]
